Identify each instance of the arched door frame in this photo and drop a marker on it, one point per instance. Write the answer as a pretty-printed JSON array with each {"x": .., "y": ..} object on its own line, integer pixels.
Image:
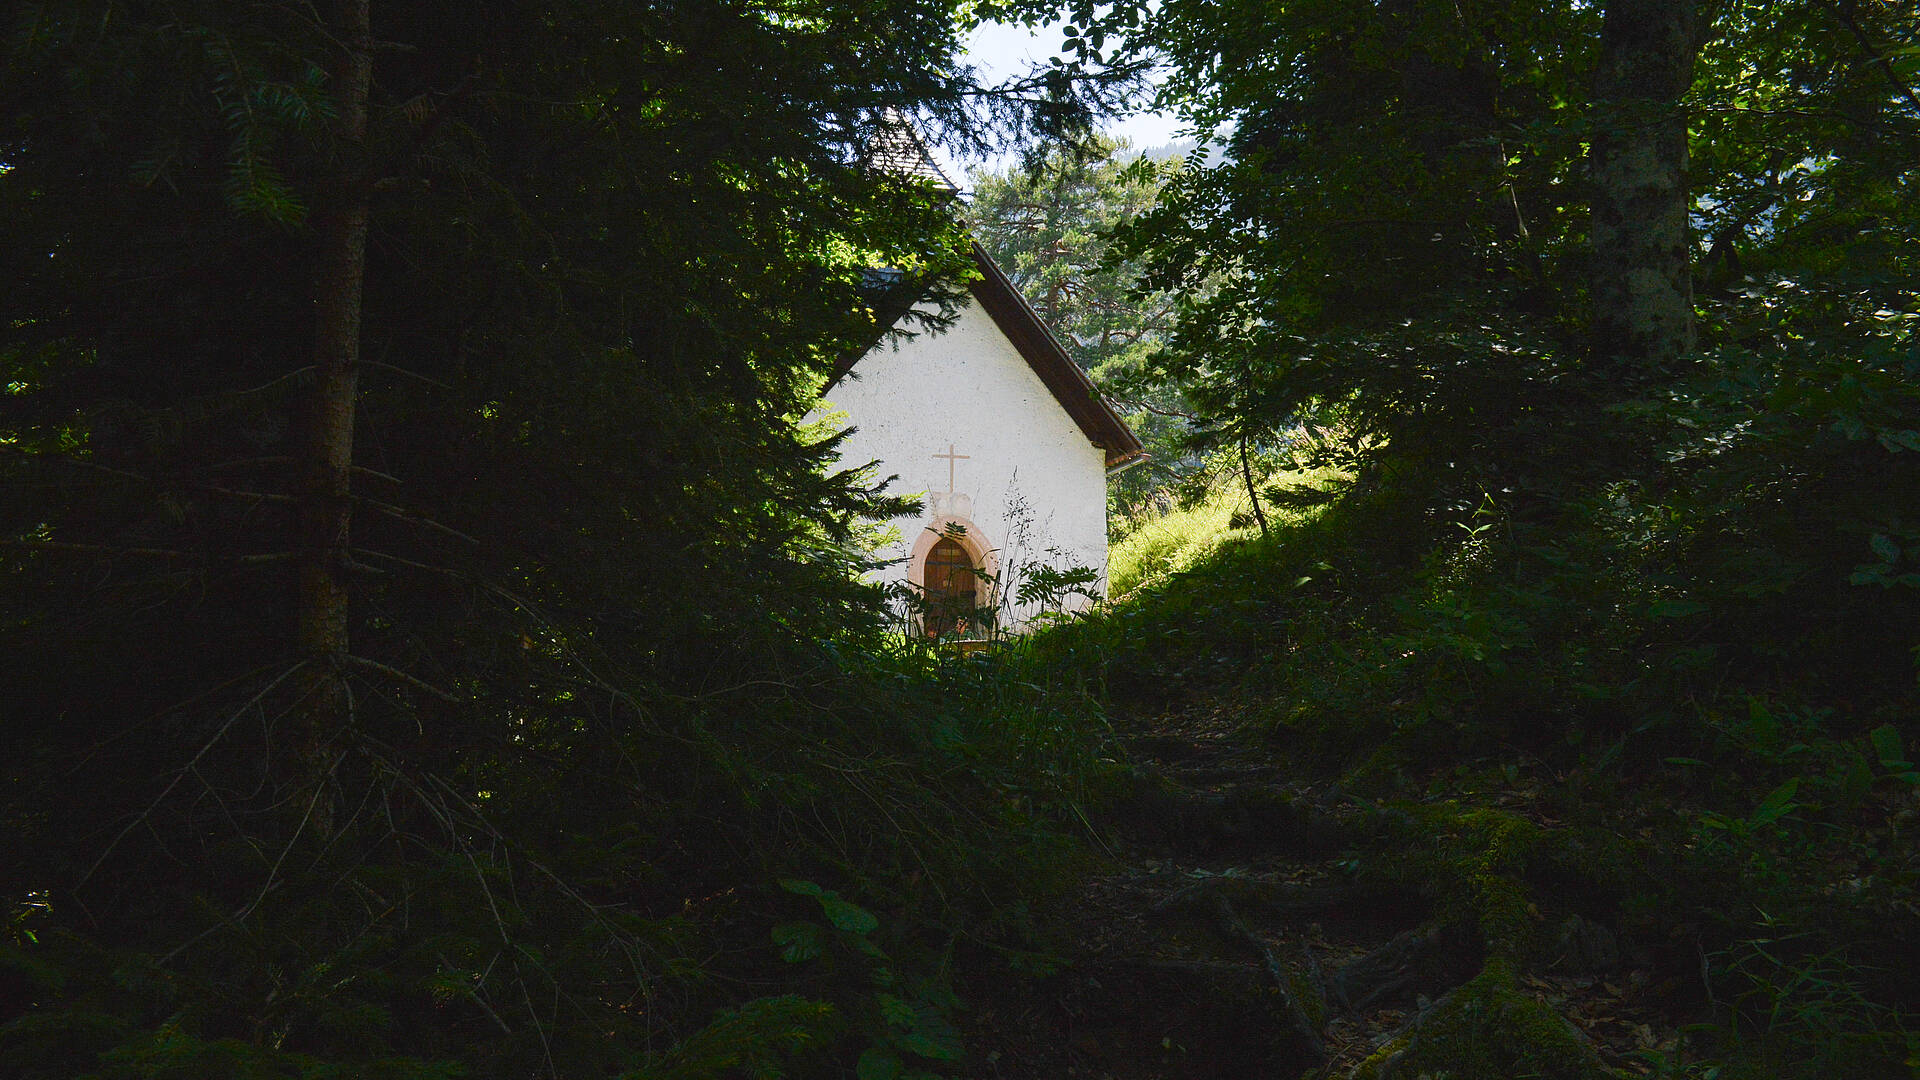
[{"x": 970, "y": 538}]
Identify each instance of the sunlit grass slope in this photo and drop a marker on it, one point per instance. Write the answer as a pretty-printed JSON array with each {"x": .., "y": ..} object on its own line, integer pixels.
[{"x": 1162, "y": 545}]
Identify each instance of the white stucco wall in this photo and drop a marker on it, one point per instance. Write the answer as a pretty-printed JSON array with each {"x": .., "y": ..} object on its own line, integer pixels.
[{"x": 970, "y": 389}]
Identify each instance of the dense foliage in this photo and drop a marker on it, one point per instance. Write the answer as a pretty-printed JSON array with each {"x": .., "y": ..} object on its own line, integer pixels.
[
  {"x": 1406, "y": 230},
  {"x": 1656, "y": 573},
  {"x": 1401, "y": 225},
  {"x": 1047, "y": 228},
  {"x": 428, "y": 636}
]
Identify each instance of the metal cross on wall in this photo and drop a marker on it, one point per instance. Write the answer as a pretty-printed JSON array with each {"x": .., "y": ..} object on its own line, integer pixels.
[{"x": 951, "y": 459}]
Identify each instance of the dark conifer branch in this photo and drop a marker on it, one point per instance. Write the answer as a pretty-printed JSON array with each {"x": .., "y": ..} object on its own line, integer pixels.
[
  {"x": 402, "y": 514},
  {"x": 410, "y": 680}
]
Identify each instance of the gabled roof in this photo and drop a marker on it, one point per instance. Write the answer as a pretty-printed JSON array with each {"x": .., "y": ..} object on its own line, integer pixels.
[
  {"x": 1043, "y": 353},
  {"x": 1070, "y": 387},
  {"x": 896, "y": 148}
]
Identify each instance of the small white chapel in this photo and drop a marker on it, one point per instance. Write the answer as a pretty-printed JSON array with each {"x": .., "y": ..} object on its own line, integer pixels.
[{"x": 1009, "y": 445}]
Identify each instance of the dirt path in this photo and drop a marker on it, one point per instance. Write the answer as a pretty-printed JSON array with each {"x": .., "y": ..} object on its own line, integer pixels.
[{"x": 1241, "y": 929}]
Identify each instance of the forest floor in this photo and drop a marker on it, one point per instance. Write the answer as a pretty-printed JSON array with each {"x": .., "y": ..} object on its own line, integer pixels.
[{"x": 1233, "y": 929}]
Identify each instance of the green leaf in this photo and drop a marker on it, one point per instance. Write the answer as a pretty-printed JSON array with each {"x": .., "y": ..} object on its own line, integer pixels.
[
  {"x": 1900, "y": 440},
  {"x": 800, "y": 941},
  {"x": 1884, "y": 547},
  {"x": 850, "y": 917},
  {"x": 1857, "y": 782},
  {"x": 895, "y": 1010},
  {"x": 931, "y": 1046},
  {"x": 1888, "y": 745},
  {"x": 802, "y": 888},
  {"x": 877, "y": 1064},
  {"x": 934, "y": 1037},
  {"x": 1762, "y": 725},
  {"x": 1777, "y": 804}
]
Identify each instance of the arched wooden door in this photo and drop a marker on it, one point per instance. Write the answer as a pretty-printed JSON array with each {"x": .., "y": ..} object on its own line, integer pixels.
[{"x": 950, "y": 588}]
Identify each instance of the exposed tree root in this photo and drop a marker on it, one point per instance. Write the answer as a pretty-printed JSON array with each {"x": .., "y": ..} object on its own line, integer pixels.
[
  {"x": 1426, "y": 960},
  {"x": 1287, "y": 899},
  {"x": 1286, "y": 1000}
]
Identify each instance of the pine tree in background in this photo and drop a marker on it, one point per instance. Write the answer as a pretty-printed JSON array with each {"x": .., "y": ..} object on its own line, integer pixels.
[{"x": 1049, "y": 228}]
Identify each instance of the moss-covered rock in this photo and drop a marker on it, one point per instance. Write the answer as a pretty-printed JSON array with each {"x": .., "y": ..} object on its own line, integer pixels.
[
  {"x": 1471, "y": 859},
  {"x": 1487, "y": 1030}
]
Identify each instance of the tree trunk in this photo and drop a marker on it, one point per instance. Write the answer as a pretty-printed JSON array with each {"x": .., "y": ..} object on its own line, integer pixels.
[
  {"x": 1642, "y": 286},
  {"x": 326, "y": 509},
  {"x": 1253, "y": 494}
]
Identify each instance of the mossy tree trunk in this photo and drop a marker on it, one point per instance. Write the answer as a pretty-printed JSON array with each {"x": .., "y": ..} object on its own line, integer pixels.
[
  {"x": 325, "y": 467},
  {"x": 1642, "y": 284}
]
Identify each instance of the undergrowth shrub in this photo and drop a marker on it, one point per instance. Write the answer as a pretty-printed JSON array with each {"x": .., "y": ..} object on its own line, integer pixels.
[
  {"x": 1705, "y": 670},
  {"x": 595, "y": 893}
]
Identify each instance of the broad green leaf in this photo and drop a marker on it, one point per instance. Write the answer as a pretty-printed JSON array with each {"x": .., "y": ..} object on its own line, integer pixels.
[
  {"x": 1676, "y": 609},
  {"x": 931, "y": 1046},
  {"x": 1857, "y": 782},
  {"x": 895, "y": 1010},
  {"x": 1777, "y": 804},
  {"x": 850, "y": 917},
  {"x": 932, "y": 1036},
  {"x": 801, "y": 887},
  {"x": 1761, "y": 723},
  {"x": 800, "y": 941},
  {"x": 1887, "y": 743},
  {"x": 1900, "y": 440}
]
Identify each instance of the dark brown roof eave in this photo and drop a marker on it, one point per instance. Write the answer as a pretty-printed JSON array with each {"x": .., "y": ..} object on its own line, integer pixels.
[{"x": 1043, "y": 353}]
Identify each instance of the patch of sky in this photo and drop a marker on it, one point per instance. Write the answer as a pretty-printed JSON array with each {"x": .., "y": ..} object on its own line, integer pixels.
[{"x": 1003, "y": 50}]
